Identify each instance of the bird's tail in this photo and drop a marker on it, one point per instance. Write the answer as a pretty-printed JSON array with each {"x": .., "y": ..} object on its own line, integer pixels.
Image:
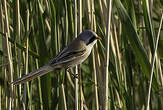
[{"x": 39, "y": 72}]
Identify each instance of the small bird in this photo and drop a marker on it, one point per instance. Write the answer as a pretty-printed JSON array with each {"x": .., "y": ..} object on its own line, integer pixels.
[{"x": 73, "y": 54}]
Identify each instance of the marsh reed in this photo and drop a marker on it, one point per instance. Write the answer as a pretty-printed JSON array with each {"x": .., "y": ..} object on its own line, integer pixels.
[{"x": 124, "y": 71}]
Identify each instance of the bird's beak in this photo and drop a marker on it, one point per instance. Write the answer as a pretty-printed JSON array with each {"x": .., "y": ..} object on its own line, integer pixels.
[{"x": 98, "y": 37}]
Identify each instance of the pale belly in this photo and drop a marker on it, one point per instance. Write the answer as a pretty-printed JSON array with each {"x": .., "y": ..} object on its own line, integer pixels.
[{"x": 79, "y": 60}]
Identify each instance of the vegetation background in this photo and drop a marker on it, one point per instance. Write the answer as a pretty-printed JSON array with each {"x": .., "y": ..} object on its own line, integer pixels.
[{"x": 124, "y": 71}]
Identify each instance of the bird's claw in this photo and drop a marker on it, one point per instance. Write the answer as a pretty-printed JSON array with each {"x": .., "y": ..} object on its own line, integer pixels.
[{"x": 75, "y": 75}]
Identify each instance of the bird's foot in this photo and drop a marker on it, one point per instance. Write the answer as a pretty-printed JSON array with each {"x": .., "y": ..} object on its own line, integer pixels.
[
  {"x": 75, "y": 75},
  {"x": 72, "y": 74}
]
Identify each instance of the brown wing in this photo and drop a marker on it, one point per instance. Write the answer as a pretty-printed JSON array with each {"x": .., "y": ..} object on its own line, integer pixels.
[{"x": 74, "y": 49}]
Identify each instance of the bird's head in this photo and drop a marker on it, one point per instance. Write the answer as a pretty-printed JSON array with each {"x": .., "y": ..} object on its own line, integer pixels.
[{"x": 89, "y": 37}]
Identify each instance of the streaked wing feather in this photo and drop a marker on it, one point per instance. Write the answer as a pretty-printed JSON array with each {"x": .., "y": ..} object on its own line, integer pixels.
[
  {"x": 69, "y": 56},
  {"x": 74, "y": 49}
]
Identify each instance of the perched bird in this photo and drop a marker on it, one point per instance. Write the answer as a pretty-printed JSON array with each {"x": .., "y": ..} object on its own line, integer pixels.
[{"x": 73, "y": 54}]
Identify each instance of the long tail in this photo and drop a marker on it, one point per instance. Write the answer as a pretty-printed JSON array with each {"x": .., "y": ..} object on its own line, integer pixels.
[{"x": 39, "y": 72}]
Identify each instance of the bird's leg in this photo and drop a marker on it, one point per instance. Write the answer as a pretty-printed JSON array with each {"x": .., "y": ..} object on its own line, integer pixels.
[{"x": 73, "y": 74}]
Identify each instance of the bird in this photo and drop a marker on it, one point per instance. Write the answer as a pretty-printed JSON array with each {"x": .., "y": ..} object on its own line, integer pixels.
[{"x": 73, "y": 54}]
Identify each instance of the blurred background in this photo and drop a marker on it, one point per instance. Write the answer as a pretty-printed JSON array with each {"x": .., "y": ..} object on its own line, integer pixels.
[{"x": 116, "y": 76}]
